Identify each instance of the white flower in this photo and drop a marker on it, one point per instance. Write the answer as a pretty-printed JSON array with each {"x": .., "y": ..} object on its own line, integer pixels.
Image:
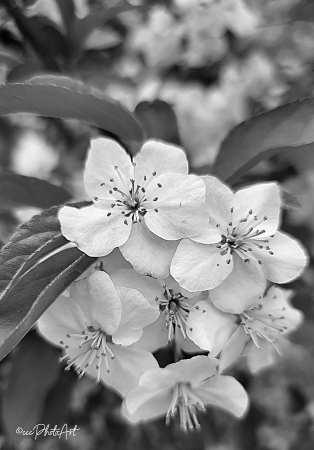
[
  {"x": 258, "y": 332},
  {"x": 239, "y": 248},
  {"x": 262, "y": 331},
  {"x": 184, "y": 388},
  {"x": 144, "y": 207},
  {"x": 174, "y": 304},
  {"x": 96, "y": 325}
]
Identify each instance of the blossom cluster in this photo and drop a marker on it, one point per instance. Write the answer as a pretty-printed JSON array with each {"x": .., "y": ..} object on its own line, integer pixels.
[{"x": 184, "y": 262}]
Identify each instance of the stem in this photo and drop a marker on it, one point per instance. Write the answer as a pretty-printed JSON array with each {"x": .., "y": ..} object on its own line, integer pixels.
[{"x": 30, "y": 34}]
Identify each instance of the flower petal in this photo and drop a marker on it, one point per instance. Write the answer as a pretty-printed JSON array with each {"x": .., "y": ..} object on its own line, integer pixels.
[
  {"x": 232, "y": 349},
  {"x": 198, "y": 267},
  {"x": 154, "y": 337},
  {"x": 136, "y": 314},
  {"x": 194, "y": 370},
  {"x": 149, "y": 287},
  {"x": 276, "y": 305},
  {"x": 225, "y": 392},
  {"x": 126, "y": 369},
  {"x": 103, "y": 157},
  {"x": 146, "y": 405},
  {"x": 172, "y": 284},
  {"x": 114, "y": 262},
  {"x": 241, "y": 288},
  {"x": 99, "y": 300},
  {"x": 261, "y": 358},
  {"x": 287, "y": 261},
  {"x": 93, "y": 232},
  {"x": 264, "y": 201},
  {"x": 105, "y": 302},
  {"x": 176, "y": 209},
  {"x": 219, "y": 198},
  {"x": 149, "y": 254},
  {"x": 64, "y": 316},
  {"x": 210, "y": 328},
  {"x": 161, "y": 158}
]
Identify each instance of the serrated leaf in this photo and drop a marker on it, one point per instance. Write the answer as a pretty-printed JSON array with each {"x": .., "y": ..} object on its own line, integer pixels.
[
  {"x": 18, "y": 190},
  {"x": 64, "y": 98},
  {"x": 286, "y": 127},
  {"x": 34, "y": 371},
  {"x": 29, "y": 283}
]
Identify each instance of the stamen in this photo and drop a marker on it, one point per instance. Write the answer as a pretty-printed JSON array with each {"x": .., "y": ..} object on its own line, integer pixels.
[
  {"x": 187, "y": 403},
  {"x": 92, "y": 344},
  {"x": 259, "y": 325},
  {"x": 176, "y": 309}
]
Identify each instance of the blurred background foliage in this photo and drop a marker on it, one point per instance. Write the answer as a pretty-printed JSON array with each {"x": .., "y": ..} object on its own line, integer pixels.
[{"x": 190, "y": 71}]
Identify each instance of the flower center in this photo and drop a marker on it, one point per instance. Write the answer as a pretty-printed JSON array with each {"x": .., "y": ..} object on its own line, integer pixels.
[
  {"x": 187, "y": 404},
  {"x": 130, "y": 198},
  {"x": 176, "y": 309},
  {"x": 85, "y": 348},
  {"x": 239, "y": 238},
  {"x": 257, "y": 324}
]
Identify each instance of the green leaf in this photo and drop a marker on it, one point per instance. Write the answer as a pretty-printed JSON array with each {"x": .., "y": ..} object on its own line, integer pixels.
[
  {"x": 33, "y": 273},
  {"x": 64, "y": 98},
  {"x": 158, "y": 120},
  {"x": 28, "y": 69},
  {"x": 289, "y": 126},
  {"x": 18, "y": 190},
  {"x": 35, "y": 370},
  {"x": 97, "y": 19}
]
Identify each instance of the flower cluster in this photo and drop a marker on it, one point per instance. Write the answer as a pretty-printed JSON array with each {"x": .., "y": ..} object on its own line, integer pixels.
[{"x": 182, "y": 262}]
